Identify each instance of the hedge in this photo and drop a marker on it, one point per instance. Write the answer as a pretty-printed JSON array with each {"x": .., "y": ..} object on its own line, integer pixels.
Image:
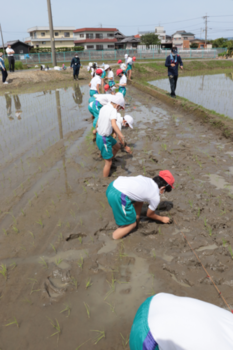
[{"x": 57, "y": 49}]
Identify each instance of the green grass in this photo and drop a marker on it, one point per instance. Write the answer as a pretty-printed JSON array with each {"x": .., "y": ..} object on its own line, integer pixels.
[{"x": 18, "y": 65}]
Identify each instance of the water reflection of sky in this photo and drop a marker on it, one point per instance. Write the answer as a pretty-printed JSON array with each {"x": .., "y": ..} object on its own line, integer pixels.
[{"x": 210, "y": 91}]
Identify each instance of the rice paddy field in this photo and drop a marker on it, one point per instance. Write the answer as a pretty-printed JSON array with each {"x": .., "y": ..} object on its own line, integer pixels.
[{"x": 64, "y": 283}]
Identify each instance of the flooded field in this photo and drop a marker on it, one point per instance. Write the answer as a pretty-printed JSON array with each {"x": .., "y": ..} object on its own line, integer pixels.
[
  {"x": 64, "y": 283},
  {"x": 213, "y": 92}
]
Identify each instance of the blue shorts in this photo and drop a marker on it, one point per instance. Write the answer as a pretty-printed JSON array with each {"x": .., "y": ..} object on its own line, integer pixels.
[
  {"x": 105, "y": 144},
  {"x": 122, "y": 89},
  {"x": 111, "y": 83},
  {"x": 91, "y": 99},
  {"x": 122, "y": 207},
  {"x": 129, "y": 67},
  {"x": 103, "y": 75},
  {"x": 93, "y": 92},
  {"x": 95, "y": 111}
]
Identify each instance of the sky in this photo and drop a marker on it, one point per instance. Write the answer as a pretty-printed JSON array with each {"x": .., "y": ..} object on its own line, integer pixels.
[{"x": 127, "y": 16}]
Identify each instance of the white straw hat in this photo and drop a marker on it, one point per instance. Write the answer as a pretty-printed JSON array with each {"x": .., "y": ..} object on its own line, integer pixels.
[
  {"x": 129, "y": 120},
  {"x": 106, "y": 66},
  {"x": 118, "y": 99}
]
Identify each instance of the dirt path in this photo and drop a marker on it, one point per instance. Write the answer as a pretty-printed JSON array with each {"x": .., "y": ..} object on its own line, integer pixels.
[{"x": 56, "y": 224}]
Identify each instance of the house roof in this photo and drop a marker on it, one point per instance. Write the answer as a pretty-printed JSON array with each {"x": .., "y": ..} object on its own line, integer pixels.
[
  {"x": 47, "y": 28},
  {"x": 12, "y": 42},
  {"x": 129, "y": 39},
  {"x": 137, "y": 36},
  {"x": 95, "y": 41},
  {"x": 95, "y": 30},
  {"x": 183, "y": 33}
]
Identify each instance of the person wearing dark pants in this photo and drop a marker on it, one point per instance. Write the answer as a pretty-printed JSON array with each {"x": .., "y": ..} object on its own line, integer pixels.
[
  {"x": 75, "y": 64},
  {"x": 10, "y": 55},
  {"x": 3, "y": 69},
  {"x": 172, "y": 63}
]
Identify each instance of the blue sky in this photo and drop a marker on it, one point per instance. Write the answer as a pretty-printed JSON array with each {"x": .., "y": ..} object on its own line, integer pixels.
[{"x": 128, "y": 16}]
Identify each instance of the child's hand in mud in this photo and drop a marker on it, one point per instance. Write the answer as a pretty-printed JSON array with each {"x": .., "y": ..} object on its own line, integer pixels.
[
  {"x": 128, "y": 149},
  {"x": 166, "y": 220}
]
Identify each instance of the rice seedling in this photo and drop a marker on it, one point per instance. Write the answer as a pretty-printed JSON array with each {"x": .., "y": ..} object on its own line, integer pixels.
[
  {"x": 74, "y": 282},
  {"x": 80, "y": 240},
  {"x": 198, "y": 212},
  {"x": 111, "y": 307},
  {"x": 223, "y": 212},
  {"x": 3, "y": 271},
  {"x": 81, "y": 345},
  {"x": 13, "y": 265},
  {"x": 100, "y": 336},
  {"x": 68, "y": 224},
  {"x": 125, "y": 341},
  {"x": 205, "y": 222},
  {"x": 87, "y": 307},
  {"x": 15, "y": 229},
  {"x": 60, "y": 237},
  {"x": 59, "y": 223},
  {"x": 86, "y": 252},
  {"x": 112, "y": 287},
  {"x": 56, "y": 326},
  {"x": 40, "y": 223},
  {"x": 224, "y": 242},
  {"x": 47, "y": 213},
  {"x": 72, "y": 213},
  {"x": 36, "y": 195},
  {"x": 5, "y": 232},
  {"x": 43, "y": 263},
  {"x": 53, "y": 202},
  {"x": 190, "y": 203},
  {"x": 58, "y": 261},
  {"x": 153, "y": 254},
  {"x": 80, "y": 262},
  {"x": 121, "y": 252},
  {"x": 88, "y": 284},
  {"x": 67, "y": 309},
  {"x": 54, "y": 249},
  {"x": 14, "y": 321},
  {"x": 26, "y": 300},
  {"x": 209, "y": 229},
  {"x": 30, "y": 233},
  {"x": 230, "y": 251}
]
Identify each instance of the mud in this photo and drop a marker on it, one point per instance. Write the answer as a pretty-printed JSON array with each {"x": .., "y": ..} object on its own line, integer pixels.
[{"x": 56, "y": 224}]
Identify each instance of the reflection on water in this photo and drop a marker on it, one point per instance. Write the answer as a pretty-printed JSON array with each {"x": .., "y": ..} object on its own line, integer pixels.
[
  {"x": 210, "y": 91},
  {"x": 18, "y": 110},
  {"x": 77, "y": 95}
]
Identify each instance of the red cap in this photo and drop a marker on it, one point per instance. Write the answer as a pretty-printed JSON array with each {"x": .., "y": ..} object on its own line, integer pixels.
[
  {"x": 134, "y": 58},
  {"x": 167, "y": 176},
  {"x": 119, "y": 71},
  {"x": 120, "y": 61},
  {"x": 99, "y": 71},
  {"x": 106, "y": 87}
]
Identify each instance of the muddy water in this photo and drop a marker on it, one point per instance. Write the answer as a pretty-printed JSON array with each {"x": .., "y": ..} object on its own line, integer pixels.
[
  {"x": 56, "y": 224},
  {"x": 210, "y": 91}
]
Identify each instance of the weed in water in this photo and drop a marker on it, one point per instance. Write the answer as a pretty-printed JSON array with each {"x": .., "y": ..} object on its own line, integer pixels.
[
  {"x": 88, "y": 284},
  {"x": 58, "y": 261},
  {"x": 80, "y": 262},
  {"x": 3, "y": 271},
  {"x": 43, "y": 263},
  {"x": 87, "y": 307},
  {"x": 67, "y": 309},
  {"x": 12, "y": 322},
  {"x": 54, "y": 249},
  {"x": 56, "y": 326},
  {"x": 100, "y": 336}
]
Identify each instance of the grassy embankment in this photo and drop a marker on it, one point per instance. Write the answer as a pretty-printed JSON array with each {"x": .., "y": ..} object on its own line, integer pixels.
[{"x": 143, "y": 73}]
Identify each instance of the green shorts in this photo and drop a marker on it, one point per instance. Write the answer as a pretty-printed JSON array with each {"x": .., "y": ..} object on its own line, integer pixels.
[
  {"x": 105, "y": 144},
  {"x": 129, "y": 67},
  {"x": 122, "y": 207},
  {"x": 122, "y": 89},
  {"x": 93, "y": 92}
]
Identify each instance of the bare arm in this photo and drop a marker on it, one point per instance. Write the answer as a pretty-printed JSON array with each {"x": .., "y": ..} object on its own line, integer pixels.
[
  {"x": 98, "y": 88},
  {"x": 116, "y": 129},
  {"x": 151, "y": 214}
]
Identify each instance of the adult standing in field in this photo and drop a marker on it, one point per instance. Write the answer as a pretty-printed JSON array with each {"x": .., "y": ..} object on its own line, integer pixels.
[
  {"x": 3, "y": 69},
  {"x": 169, "y": 322},
  {"x": 10, "y": 55},
  {"x": 126, "y": 196},
  {"x": 75, "y": 64},
  {"x": 172, "y": 63}
]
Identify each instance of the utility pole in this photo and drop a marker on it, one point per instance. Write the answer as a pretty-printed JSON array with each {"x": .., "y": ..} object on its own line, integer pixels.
[
  {"x": 2, "y": 40},
  {"x": 206, "y": 28},
  {"x": 51, "y": 33}
]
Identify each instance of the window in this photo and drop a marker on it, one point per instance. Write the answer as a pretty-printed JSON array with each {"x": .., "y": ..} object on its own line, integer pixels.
[
  {"x": 56, "y": 33},
  {"x": 21, "y": 51},
  {"x": 81, "y": 35},
  {"x": 99, "y": 36},
  {"x": 134, "y": 44},
  {"x": 110, "y": 35},
  {"x": 90, "y": 47},
  {"x": 66, "y": 34},
  {"x": 43, "y": 42},
  {"x": 99, "y": 47},
  {"x": 90, "y": 36},
  {"x": 42, "y": 34},
  {"x": 111, "y": 46},
  {"x": 185, "y": 38}
]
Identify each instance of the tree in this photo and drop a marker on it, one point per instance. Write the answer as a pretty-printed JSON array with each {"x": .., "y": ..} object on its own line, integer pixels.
[
  {"x": 150, "y": 39},
  {"x": 194, "y": 46},
  {"x": 220, "y": 42}
]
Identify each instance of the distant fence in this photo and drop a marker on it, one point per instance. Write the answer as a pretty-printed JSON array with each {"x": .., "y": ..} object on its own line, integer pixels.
[{"x": 114, "y": 55}]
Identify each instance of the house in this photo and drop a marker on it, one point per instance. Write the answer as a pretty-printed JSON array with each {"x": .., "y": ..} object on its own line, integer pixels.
[
  {"x": 201, "y": 43},
  {"x": 126, "y": 42},
  {"x": 95, "y": 38},
  {"x": 181, "y": 39},
  {"x": 40, "y": 37},
  {"x": 18, "y": 46},
  {"x": 166, "y": 42}
]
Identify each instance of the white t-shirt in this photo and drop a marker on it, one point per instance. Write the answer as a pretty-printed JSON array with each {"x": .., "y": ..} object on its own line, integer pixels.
[
  {"x": 123, "y": 80},
  {"x": 119, "y": 121},
  {"x": 10, "y": 52},
  {"x": 139, "y": 189},
  {"x": 126, "y": 55},
  {"x": 107, "y": 114},
  {"x": 110, "y": 74},
  {"x": 130, "y": 60},
  {"x": 92, "y": 71},
  {"x": 103, "y": 99},
  {"x": 94, "y": 82},
  {"x": 181, "y": 323}
]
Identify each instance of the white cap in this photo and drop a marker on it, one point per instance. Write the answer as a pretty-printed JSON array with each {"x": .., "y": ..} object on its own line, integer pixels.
[
  {"x": 106, "y": 66},
  {"x": 118, "y": 99},
  {"x": 90, "y": 64},
  {"x": 129, "y": 120},
  {"x": 123, "y": 66}
]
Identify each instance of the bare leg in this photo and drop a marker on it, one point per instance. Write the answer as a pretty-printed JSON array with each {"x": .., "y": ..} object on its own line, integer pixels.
[
  {"x": 116, "y": 148},
  {"x": 123, "y": 231},
  {"x": 138, "y": 209},
  {"x": 130, "y": 71},
  {"x": 107, "y": 167}
]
